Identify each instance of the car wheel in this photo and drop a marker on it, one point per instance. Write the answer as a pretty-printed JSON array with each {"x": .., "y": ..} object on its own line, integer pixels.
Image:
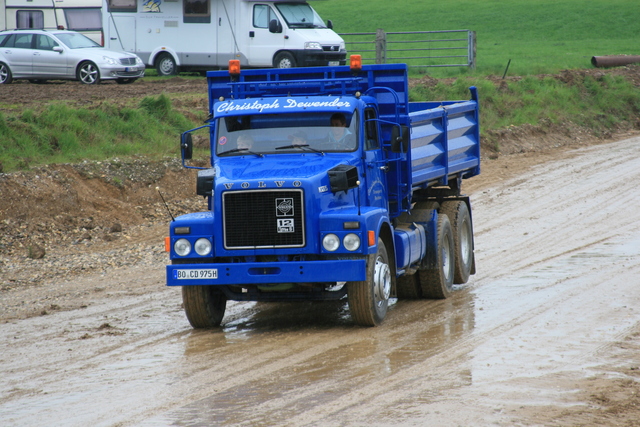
[
  {"x": 166, "y": 65},
  {"x": 5, "y": 74},
  {"x": 125, "y": 81},
  {"x": 284, "y": 60},
  {"x": 88, "y": 73}
]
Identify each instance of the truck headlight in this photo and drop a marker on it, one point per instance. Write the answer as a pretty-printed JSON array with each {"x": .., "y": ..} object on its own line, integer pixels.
[
  {"x": 331, "y": 242},
  {"x": 182, "y": 247},
  {"x": 351, "y": 242},
  {"x": 312, "y": 45},
  {"x": 202, "y": 247}
]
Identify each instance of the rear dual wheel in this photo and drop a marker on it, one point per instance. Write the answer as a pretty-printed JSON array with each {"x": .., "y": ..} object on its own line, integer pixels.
[
  {"x": 436, "y": 282},
  {"x": 460, "y": 218}
]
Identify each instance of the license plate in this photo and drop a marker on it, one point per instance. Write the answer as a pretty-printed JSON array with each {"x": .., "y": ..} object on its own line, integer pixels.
[
  {"x": 208, "y": 273},
  {"x": 130, "y": 69},
  {"x": 334, "y": 63}
]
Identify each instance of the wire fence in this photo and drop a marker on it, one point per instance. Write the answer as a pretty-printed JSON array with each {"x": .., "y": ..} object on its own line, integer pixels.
[{"x": 453, "y": 48}]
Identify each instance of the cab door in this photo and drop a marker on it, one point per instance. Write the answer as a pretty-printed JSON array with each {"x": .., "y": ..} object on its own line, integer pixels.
[{"x": 263, "y": 44}]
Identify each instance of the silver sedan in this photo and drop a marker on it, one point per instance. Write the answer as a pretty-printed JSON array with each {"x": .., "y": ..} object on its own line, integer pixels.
[{"x": 39, "y": 55}]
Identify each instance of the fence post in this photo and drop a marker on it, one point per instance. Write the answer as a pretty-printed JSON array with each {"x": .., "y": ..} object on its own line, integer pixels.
[
  {"x": 381, "y": 46},
  {"x": 472, "y": 50}
]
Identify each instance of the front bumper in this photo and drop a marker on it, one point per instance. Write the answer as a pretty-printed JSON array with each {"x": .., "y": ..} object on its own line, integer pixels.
[
  {"x": 255, "y": 273},
  {"x": 319, "y": 58}
]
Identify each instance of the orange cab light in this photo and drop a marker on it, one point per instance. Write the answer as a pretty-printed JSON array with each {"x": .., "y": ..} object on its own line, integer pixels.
[
  {"x": 372, "y": 237},
  {"x": 234, "y": 67},
  {"x": 356, "y": 62},
  {"x": 167, "y": 244}
]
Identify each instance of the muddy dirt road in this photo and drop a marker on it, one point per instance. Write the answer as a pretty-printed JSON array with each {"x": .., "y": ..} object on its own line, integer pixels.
[{"x": 546, "y": 333}]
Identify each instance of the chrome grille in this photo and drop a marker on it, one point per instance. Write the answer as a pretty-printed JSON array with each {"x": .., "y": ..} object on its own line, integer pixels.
[{"x": 128, "y": 61}]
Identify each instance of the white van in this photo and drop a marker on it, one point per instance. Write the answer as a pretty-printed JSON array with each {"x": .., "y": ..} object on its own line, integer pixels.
[
  {"x": 198, "y": 35},
  {"x": 84, "y": 16}
]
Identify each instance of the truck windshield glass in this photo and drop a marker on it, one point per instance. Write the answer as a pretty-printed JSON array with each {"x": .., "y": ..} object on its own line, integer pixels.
[
  {"x": 286, "y": 133},
  {"x": 300, "y": 15}
]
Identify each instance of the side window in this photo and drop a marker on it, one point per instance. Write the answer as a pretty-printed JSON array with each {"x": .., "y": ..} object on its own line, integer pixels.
[
  {"x": 3, "y": 38},
  {"x": 261, "y": 16},
  {"x": 45, "y": 42},
  {"x": 23, "y": 41},
  {"x": 30, "y": 19},
  {"x": 371, "y": 129},
  {"x": 197, "y": 11},
  {"x": 83, "y": 19},
  {"x": 122, "y": 6}
]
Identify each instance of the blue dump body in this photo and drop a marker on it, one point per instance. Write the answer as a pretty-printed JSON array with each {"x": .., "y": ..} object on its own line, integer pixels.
[{"x": 326, "y": 183}]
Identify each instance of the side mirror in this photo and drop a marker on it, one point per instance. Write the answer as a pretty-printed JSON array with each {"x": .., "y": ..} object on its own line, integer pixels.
[
  {"x": 58, "y": 49},
  {"x": 186, "y": 145},
  {"x": 330, "y": 24},
  {"x": 400, "y": 139},
  {"x": 274, "y": 26}
]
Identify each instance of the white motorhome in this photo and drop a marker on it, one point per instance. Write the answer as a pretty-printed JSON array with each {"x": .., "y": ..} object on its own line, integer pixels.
[
  {"x": 84, "y": 16},
  {"x": 197, "y": 35}
]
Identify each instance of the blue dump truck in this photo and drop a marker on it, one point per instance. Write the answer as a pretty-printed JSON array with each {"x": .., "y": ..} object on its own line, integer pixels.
[{"x": 326, "y": 183}]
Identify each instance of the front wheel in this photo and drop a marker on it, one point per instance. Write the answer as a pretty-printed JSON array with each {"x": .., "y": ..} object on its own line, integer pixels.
[
  {"x": 203, "y": 305},
  {"x": 166, "y": 65},
  {"x": 437, "y": 282},
  {"x": 88, "y": 73},
  {"x": 369, "y": 299},
  {"x": 284, "y": 60},
  {"x": 5, "y": 74}
]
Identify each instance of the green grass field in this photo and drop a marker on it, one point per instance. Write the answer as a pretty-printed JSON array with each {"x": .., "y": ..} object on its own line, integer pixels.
[{"x": 537, "y": 36}]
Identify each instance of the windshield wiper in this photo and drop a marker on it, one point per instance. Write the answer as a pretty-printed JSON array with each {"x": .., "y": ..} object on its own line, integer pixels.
[
  {"x": 241, "y": 150},
  {"x": 285, "y": 147}
]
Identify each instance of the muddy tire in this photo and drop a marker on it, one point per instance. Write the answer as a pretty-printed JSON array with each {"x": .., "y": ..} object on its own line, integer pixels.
[
  {"x": 88, "y": 73},
  {"x": 204, "y": 305},
  {"x": 408, "y": 287},
  {"x": 369, "y": 299},
  {"x": 284, "y": 60},
  {"x": 437, "y": 283},
  {"x": 458, "y": 214},
  {"x": 166, "y": 65}
]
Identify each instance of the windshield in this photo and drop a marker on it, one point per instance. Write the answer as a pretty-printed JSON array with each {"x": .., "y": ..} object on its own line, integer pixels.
[
  {"x": 288, "y": 133},
  {"x": 300, "y": 15},
  {"x": 76, "y": 40}
]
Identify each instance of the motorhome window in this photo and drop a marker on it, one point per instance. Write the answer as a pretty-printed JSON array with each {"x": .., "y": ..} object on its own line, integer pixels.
[
  {"x": 262, "y": 15},
  {"x": 300, "y": 15},
  {"x": 283, "y": 133},
  {"x": 83, "y": 19},
  {"x": 30, "y": 19},
  {"x": 197, "y": 11},
  {"x": 122, "y": 5}
]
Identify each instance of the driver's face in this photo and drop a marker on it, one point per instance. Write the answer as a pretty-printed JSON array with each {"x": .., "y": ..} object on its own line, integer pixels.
[{"x": 337, "y": 128}]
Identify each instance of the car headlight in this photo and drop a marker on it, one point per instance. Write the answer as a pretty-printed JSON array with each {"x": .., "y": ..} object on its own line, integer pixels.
[
  {"x": 109, "y": 60},
  {"x": 351, "y": 242},
  {"x": 312, "y": 45},
  {"x": 182, "y": 247},
  {"x": 331, "y": 242},
  {"x": 139, "y": 61},
  {"x": 202, "y": 247}
]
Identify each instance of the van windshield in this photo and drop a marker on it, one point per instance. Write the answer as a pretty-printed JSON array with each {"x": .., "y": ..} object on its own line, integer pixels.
[
  {"x": 300, "y": 15},
  {"x": 290, "y": 133}
]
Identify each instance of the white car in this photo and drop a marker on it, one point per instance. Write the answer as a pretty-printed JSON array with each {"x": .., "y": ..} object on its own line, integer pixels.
[{"x": 39, "y": 55}]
